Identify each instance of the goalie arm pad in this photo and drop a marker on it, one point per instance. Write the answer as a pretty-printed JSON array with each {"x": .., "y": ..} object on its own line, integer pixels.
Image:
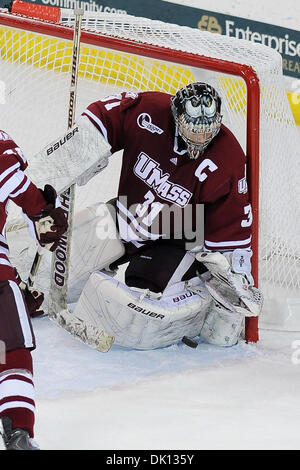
[
  {"x": 231, "y": 283},
  {"x": 75, "y": 157}
]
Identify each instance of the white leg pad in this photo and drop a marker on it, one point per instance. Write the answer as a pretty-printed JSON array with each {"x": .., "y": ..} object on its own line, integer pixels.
[
  {"x": 95, "y": 244},
  {"x": 136, "y": 319},
  {"x": 222, "y": 327}
]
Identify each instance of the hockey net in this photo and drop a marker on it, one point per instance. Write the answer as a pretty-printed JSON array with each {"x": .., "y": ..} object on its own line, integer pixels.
[{"x": 121, "y": 52}]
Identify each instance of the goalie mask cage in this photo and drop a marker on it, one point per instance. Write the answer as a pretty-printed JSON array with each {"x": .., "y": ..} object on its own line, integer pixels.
[{"x": 121, "y": 52}]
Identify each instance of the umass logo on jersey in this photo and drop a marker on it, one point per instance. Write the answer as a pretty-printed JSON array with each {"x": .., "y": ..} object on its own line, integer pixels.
[{"x": 148, "y": 170}]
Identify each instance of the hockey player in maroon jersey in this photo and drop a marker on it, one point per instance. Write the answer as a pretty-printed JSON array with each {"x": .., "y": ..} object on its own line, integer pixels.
[
  {"x": 187, "y": 274},
  {"x": 177, "y": 162},
  {"x": 47, "y": 224}
]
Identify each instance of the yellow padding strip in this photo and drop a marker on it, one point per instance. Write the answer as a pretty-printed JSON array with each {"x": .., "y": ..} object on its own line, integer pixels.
[
  {"x": 115, "y": 68},
  {"x": 294, "y": 100},
  {"x": 105, "y": 66}
]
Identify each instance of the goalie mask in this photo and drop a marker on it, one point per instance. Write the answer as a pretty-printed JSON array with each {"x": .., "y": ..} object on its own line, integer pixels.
[{"x": 196, "y": 110}]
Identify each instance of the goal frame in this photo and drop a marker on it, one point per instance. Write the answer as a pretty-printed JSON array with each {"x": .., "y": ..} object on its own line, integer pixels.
[{"x": 244, "y": 71}]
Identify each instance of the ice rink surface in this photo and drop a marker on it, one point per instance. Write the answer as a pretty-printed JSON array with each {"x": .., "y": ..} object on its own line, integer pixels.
[{"x": 244, "y": 397}]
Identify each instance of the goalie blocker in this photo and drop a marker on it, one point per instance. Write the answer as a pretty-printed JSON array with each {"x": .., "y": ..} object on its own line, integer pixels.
[{"x": 75, "y": 157}]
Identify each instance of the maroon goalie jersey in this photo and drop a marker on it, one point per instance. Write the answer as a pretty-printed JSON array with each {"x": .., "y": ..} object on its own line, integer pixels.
[
  {"x": 16, "y": 187},
  {"x": 161, "y": 188}
]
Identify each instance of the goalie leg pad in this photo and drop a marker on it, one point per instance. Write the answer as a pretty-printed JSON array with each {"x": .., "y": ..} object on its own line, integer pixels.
[
  {"x": 222, "y": 327},
  {"x": 95, "y": 244},
  {"x": 140, "y": 319}
]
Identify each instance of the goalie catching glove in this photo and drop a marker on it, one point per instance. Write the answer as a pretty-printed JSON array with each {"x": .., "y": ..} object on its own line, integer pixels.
[
  {"x": 231, "y": 283},
  {"x": 51, "y": 223}
]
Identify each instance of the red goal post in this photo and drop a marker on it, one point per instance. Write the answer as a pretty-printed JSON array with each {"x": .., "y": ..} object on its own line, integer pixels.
[{"x": 52, "y": 26}]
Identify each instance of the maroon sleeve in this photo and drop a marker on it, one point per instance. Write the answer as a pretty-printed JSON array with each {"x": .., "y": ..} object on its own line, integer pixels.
[
  {"x": 10, "y": 152},
  {"x": 108, "y": 116},
  {"x": 14, "y": 184},
  {"x": 228, "y": 214},
  {"x": 28, "y": 197},
  {"x": 228, "y": 221}
]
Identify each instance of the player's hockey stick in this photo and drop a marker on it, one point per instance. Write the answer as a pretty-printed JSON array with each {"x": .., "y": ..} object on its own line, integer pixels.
[{"x": 57, "y": 304}]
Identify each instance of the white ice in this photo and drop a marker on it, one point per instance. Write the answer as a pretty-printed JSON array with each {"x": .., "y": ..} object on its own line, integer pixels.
[{"x": 244, "y": 397}]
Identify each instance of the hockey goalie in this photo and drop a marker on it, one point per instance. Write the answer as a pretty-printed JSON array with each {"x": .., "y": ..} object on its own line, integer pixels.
[{"x": 179, "y": 228}]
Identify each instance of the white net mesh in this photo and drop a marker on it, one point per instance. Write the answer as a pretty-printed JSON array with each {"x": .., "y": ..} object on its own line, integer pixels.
[{"x": 34, "y": 93}]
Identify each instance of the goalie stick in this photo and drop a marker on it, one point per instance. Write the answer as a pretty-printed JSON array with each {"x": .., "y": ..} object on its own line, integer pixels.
[{"x": 57, "y": 303}]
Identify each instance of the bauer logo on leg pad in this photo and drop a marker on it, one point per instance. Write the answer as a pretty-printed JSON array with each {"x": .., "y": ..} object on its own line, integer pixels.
[{"x": 145, "y": 311}]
